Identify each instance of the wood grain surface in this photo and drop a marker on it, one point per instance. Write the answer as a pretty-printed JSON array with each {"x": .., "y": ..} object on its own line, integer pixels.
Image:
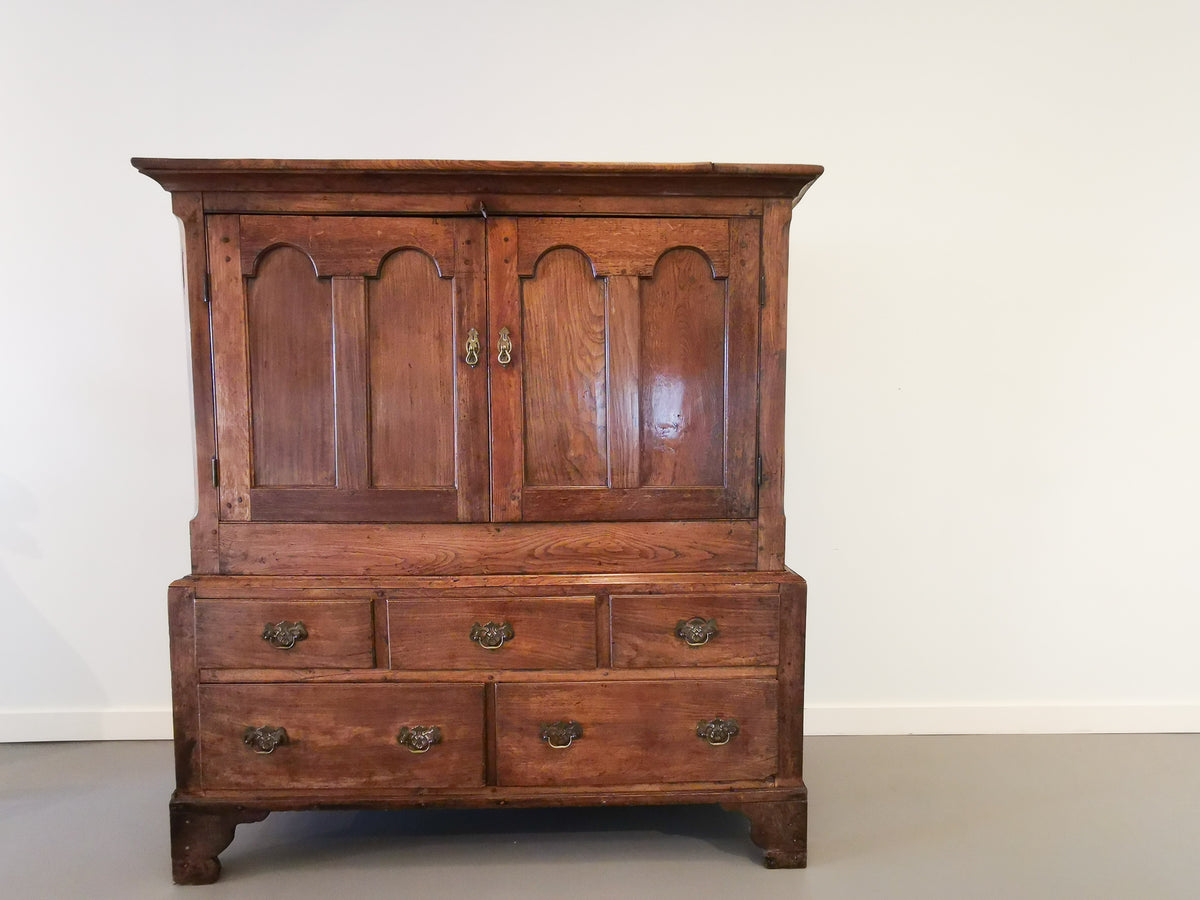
[
  {"x": 516, "y": 548},
  {"x": 565, "y": 373},
  {"x": 342, "y": 245},
  {"x": 341, "y": 736},
  {"x": 643, "y": 630},
  {"x": 634, "y": 732},
  {"x": 229, "y": 634},
  {"x": 548, "y": 633}
]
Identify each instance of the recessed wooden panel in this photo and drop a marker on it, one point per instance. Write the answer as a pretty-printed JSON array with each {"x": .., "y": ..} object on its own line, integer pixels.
[
  {"x": 566, "y": 442},
  {"x": 290, "y": 331},
  {"x": 547, "y": 633},
  {"x": 639, "y": 731},
  {"x": 412, "y": 354},
  {"x": 682, "y": 400},
  {"x": 229, "y": 633},
  {"x": 644, "y": 630},
  {"x": 340, "y": 736}
]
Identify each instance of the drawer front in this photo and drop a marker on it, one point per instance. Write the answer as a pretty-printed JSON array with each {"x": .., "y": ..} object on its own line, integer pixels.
[
  {"x": 340, "y": 736},
  {"x": 695, "y": 630},
  {"x": 332, "y": 634},
  {"x": 634, "y": 732},
  {"x": 504, "y": 633}
]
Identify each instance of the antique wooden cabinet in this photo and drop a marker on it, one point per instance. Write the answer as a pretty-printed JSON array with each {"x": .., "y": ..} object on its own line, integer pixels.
[{"x": 490, "y": 514}]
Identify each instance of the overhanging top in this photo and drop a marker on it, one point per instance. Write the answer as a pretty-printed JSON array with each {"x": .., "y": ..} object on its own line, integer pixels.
[{"x": 433, "y": 175}]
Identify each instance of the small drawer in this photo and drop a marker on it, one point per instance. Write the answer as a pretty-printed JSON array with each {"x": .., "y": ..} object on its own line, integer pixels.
[
  {"x": 504, "y": 633},
  {"x": 695, "y": 630},
  {"x": 635, "y": 732},
  {"x": 340, "y": 736},
  {"x": 284, "y": 634}
]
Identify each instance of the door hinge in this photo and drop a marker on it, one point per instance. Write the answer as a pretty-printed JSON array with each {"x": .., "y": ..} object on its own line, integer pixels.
[
  {"x": 207, "y": 288},
  {"x": 762, "y": 291},
  {"x": 216, "y": 472},
  {"x": 758, "y": 475}
]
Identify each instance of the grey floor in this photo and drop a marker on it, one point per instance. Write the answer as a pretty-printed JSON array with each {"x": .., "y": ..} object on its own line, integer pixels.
[{"x": 1087, "y": 816}]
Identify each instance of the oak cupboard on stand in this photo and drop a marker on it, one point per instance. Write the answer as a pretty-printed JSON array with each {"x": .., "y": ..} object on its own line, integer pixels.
[{"x": 491, "y": 492}]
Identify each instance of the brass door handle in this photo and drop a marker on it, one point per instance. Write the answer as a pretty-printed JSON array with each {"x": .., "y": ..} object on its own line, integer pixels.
[
  {"x": 560, "y": 735},
  {"x": 284, "y": 635},
  {"x": 492, "y": 635},
  {"x": 265, "y": 738},
  {"x": 717, "y": 731},
  {"x": 504, "y": 348},
  {"x": 697, "y": 631},
  {"x": 472, "y": 357},
  {"x": 419, "y": 738}
]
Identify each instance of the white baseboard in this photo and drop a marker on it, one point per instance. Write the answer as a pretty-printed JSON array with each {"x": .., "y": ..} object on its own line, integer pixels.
[
  {"x": 85, "y": 725},
  {"x": 1149, "y": 718},
  {"x": 155, "y": 724}
]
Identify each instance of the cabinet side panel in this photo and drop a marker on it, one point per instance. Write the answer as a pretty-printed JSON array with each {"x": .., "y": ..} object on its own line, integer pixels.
[
  {"x": 231, "y": 376},
  {"x": 188, "y": 209},
  {"x": 792, "y": 617},
  {"x": 772, "y": 372},
  {"x": 181, "y": 619}
]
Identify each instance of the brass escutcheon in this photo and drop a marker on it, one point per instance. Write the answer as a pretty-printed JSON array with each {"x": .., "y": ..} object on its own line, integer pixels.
[
  {"x": 492, "y": 635},
  {"x": 472, "y": 357},
  {"x": 560, "y": 735},
  {"x": 717, "y": 731},
  {"x": 504, "y": 348},
  {"x": 265, "y": 738},
  {"x": 284, "y": 635},
  {"x": 419, "y": 738},
  {"x": 697, "y": 631}
]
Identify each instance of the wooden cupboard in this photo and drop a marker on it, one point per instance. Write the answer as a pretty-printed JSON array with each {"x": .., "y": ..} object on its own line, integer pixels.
[{"x": 490, "y": 461}]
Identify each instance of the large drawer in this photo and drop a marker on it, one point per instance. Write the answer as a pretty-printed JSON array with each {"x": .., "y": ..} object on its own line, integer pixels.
[
  {"x": 340, "y": 736},
  {"x": 635, "y": 732},
  {"x": 501, "y": 633},
  {"x": 263, "y": 634},
  {"x": 695, "y": 630}
]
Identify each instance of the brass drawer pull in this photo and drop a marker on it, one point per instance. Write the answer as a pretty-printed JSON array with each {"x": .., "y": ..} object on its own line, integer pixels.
[
  {"x": 265, "y": 738},
  {"x": 504, "y": 348},
  {"x": 492, "y": 635},
  {"x": 697, "y": 631},
  {"x": 717, "y": 731},
  {"x": 559, "y": 735},
  {"x": 472, "y": 357},
  {"x": 419, "y": 738},
  {"x": 284, "y": 635}
]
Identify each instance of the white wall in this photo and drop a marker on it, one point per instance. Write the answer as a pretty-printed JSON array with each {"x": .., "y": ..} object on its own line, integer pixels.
[{"x": 995, "y": 321}]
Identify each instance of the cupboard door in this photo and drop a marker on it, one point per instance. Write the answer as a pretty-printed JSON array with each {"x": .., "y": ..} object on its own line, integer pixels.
[
  {"x": 343, "y": 389},
  {"x": 630, "y": 393}
]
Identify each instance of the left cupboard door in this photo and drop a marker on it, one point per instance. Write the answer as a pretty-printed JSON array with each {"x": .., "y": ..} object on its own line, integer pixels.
[{"x": 345, "y": 386}]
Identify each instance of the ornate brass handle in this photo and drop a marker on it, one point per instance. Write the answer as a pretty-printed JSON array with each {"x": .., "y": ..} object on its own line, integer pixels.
[
  {"x": 284, "y": 635},
  {"x": 419, "y": 738},
  {"x": 265, "y": 738},
  {"x": 472, "y": 357},
  {"x": 504, "y": 347},
  {"x": 559, "y": 735},
  {"x": 718, "y": 731},
  {"x": 492, "y": 635},
  {"x": 697, "y": 631}
]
